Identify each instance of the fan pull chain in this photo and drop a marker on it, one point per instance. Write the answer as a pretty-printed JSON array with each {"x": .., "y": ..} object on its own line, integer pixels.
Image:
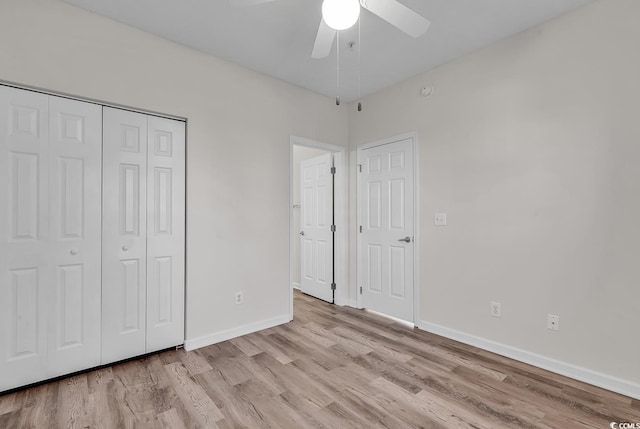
[
  {"x": 359, "y": 67},
  {"x": 338, "y": 69}
]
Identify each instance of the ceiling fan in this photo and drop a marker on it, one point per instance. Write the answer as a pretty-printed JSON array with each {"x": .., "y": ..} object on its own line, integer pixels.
[{"x": 392, "y": 11}]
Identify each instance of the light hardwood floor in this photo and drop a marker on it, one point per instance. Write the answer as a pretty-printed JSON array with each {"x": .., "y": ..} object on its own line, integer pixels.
[{"x": 331, "y": 368}]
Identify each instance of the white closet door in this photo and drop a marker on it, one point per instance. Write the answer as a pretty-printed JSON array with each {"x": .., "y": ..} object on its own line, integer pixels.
[
  {"x": 124, "y": 256},
  {"x": 165, "y": 233},
  {"x": 75, "y": 154},
  {"x": 25, "y": 271}
]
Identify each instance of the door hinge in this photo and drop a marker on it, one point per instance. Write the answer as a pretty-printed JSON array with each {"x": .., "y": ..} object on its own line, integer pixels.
[
  {"x": 333, "y": 228},
  {"x": 360, "y": 290},
  {"x": 333, "y": 286},
  {"x": 359, "y": 168},
  {"x": 333, "y": 170},
  {"x": 360, "y": 229}
]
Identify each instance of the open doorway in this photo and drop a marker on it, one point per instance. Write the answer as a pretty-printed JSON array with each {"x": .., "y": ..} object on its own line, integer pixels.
[{"x": 318, "y": 249}]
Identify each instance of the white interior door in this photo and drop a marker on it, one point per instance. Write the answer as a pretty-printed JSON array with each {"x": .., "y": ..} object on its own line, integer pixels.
[
  {"x": 124, "y": 255},
  {"x": 316, "y": 218},
  {"x": 165, "y": 233},
  {"x": 25, "y": 269},
  {"x": 50, "y": 236},
  {"x": 386, "y": 257},
  {"x": 75, "y": 216}
]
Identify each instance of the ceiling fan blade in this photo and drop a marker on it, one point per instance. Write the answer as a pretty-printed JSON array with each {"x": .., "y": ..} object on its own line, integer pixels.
[
  {"x": 324, "y": 41},
  {"x": 399, "y": 15},
  {"x": 242, "y": 3}
]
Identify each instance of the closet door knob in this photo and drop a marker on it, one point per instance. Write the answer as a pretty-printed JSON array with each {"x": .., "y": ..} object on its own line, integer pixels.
[
  {"x": 74, "y": 251},
  {"x": 125, "y": 248}
]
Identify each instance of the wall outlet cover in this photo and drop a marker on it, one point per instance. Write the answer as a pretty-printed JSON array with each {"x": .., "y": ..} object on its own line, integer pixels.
[
  {"x": 496, "y": 309},
  {"x": 553, "y": 322}
]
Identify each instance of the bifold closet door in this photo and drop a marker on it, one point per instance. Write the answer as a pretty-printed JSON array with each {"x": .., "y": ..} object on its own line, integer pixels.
[
  {"x": 24, "y": 234},
  {"x": 75, "y": 218},
  {"x": 165, "y": 233},
  {"x": 124, "y": 232},
  {"x": 143, "y": 230},
  {"x": 50, "y": 151}
]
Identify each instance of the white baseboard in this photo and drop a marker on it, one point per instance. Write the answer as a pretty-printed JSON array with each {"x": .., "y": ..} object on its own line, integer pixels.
[
  {"x": 347, "y": 303},
  {"x": 342, "y": 302},
  {"x": 598, "y": 379},
  {"x": 295, "y": 285},
  {"x": 218, "y": 337}
]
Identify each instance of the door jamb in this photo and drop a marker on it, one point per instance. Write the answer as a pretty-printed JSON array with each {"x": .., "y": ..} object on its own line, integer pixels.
[
  {"x": 416, "y": 205},
  {"x": 340, "y": 209}
]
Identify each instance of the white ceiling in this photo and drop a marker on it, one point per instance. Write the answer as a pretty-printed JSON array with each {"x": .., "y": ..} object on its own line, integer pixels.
[{"x": 276, "y": 38}]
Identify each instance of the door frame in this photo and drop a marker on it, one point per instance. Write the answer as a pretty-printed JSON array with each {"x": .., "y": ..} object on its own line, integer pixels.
[
  {"x": 416, "y": 211},
  {"x": 340, "y": 210}
]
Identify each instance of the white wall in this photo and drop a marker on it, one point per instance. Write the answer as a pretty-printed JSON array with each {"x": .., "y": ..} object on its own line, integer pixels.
[
  {"x": 300, "y": 153},
  {"x": 532, "y": 147},
  {"x": 239, "y": 124}
]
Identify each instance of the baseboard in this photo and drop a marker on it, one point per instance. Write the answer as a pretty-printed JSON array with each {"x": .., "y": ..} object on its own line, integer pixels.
[
  {"x": 598, "y": 379},
  {"x": 217, "y": 337},
  {"x": 295, "y": 285},
  {"x": 344, "y": 302}
]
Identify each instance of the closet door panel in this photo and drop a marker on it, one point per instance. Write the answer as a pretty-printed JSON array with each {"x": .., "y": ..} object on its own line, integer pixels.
[
  {"x": 165, "y": 233},
  {"x": 124, "y": 256},
  {"x": 75, "y": 162},
  {"x": 25, "y": 271}
]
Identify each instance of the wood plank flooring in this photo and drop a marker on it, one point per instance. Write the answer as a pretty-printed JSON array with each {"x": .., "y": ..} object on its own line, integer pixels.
[{"x": 331, "y": 368}]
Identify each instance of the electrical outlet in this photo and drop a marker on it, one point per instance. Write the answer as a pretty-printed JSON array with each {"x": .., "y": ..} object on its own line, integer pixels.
[
  {"x": 496, "y": 309},
  {"x": 239, "y": 298},
  {"x": 553, "y": 322}
]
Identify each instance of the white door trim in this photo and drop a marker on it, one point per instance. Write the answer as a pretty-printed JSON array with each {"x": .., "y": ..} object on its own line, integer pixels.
[
  {"x": 340, "y": 208},
  {"x": 416, "y": 211}
]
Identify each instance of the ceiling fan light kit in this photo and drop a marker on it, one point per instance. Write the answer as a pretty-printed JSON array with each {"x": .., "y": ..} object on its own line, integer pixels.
[{"x": 340, "y": 14}]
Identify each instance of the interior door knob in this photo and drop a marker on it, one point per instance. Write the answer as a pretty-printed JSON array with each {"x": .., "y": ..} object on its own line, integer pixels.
[
  {"x": 301, "y": 232},
  {"x": 407, "y": 239},
  {"x": 125, "y": 248},
  {"x": 74, "y": 251}
]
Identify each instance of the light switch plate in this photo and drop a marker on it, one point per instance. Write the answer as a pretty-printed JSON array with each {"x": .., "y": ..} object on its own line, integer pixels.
[{"x": 440, "y": 219}]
